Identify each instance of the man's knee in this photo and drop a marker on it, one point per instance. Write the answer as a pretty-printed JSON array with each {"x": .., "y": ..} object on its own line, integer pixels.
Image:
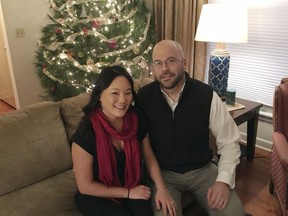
[{"x": 234, "y": 207}]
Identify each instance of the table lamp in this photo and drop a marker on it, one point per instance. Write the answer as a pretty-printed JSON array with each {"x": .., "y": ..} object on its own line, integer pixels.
[{"x": 221, "y": 23}]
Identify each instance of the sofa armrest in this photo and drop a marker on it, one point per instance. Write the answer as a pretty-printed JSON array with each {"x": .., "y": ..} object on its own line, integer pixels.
[{"x": 281, "y": 147}]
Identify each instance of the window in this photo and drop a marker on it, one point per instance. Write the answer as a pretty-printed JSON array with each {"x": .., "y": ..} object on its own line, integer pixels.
[{"x": 258, "y": 66}]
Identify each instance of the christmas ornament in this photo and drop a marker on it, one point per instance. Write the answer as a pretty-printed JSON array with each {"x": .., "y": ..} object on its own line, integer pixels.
[
  {"x": 85, "y": 31},
  {"x": 58, "y": 31},
  {"x": 112, "y": 44},
  {"x": 80, "y": 54},
  {"x": 143, "y": 63},
  {"x": 95, "y": 24},
  {"x": 136, "y": 50},
  {"x": 52, "y": 89}
]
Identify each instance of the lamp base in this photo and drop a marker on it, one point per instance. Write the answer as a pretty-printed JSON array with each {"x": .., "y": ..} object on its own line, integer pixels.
[{"x": 218, "y": 73}]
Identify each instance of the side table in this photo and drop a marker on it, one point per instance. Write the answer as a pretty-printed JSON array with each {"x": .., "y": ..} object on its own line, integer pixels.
[{"x": 249, "y": 114}]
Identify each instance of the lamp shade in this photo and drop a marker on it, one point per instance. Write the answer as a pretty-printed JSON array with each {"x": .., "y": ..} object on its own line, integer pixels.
[{"x": 223, "y": 23}]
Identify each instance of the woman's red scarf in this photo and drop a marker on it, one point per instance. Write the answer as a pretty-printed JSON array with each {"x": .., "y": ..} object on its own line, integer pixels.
[{"x": 105, "y": 153}]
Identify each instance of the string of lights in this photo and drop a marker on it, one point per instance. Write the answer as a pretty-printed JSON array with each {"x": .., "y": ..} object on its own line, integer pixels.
[{"x": 85, "y": 36}]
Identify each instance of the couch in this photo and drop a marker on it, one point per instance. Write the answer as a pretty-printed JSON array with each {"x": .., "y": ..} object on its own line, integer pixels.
[
  {"x": 36, "y": 175},
  {"x": 279, "y": 155}
]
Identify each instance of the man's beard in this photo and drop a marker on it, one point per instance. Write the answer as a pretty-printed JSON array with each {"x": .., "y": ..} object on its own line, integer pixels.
[{"x": 170, "y": 85}]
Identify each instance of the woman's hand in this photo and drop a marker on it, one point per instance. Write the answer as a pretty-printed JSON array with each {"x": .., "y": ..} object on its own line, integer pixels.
[
  {"x": 139, "y": 192},
  {"x": 165, "y": 201}
]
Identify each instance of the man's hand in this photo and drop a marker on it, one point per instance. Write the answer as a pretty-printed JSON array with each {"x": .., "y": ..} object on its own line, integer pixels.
[{"x": 218, "y": 196}]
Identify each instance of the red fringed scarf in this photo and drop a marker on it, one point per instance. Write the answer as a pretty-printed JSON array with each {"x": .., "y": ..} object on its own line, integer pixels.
[{"x": 106, "y": 157}]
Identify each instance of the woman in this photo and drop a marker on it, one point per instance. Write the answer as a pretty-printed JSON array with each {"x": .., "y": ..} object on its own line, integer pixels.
[{"x": 106, "y": 152}]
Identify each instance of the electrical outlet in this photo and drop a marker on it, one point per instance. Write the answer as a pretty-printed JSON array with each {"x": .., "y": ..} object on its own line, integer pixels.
[{"x": 19, "y": 33}]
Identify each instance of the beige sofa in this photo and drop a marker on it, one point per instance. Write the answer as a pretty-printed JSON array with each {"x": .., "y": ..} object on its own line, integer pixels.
[{"x": 36, "y": 176}]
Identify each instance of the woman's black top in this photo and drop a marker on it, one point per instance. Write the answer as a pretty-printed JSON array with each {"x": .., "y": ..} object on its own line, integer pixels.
[{"x": 85, "y": 138}]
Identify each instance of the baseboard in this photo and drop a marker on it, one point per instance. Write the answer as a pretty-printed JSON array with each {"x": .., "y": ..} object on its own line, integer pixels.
[{"x": 260, "y": 143}]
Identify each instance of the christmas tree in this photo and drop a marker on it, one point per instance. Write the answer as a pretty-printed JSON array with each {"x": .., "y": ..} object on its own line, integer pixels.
[{"x": 86, "y": 35}]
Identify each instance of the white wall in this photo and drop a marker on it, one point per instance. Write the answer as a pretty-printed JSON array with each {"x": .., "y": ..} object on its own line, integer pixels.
[{"x": 30, "y": 15}]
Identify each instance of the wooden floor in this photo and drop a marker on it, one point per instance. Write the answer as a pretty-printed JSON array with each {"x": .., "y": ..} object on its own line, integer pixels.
[
  {"x": 4, "y": 107},
  {"x": 252, "y": 181},
  {"x": 252, "y": 185}
]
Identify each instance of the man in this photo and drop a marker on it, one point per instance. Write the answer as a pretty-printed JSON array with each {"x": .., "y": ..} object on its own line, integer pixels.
[{"x": 178, "y": 113}]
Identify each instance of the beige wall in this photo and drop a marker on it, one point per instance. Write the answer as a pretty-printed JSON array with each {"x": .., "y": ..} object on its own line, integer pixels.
[
  {"x": 264, "y": 134},
  {"x": 30, "y": 15},
  {"x": 6, "y": 85}
]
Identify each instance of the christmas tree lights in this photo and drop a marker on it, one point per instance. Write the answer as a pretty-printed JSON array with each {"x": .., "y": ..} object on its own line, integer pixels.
[{"x": 86, "y": 35}]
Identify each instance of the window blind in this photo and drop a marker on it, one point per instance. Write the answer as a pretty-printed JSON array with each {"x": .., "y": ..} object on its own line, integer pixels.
[{"x": 258, "y": 66}]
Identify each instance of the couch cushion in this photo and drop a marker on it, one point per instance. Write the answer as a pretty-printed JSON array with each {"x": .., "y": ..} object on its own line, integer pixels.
[
  {"x": 33, "y": 146},
  {"x": 71, "y": 111},
  {"x": 71, "y": 108},
  {"x": 50, "y": 197}
]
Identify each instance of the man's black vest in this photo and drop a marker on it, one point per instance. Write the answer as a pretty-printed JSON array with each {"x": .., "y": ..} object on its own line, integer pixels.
[{"x": 180, "y": 140}]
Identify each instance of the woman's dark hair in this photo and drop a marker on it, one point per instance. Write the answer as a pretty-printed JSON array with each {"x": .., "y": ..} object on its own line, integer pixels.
[{"x": 104, "y": 80}]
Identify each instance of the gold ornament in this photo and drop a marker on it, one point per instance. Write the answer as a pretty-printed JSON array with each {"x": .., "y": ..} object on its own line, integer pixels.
[
  {"x": 80, "y": 54},
  {"x": 143, "y": 63},
  {"x": 136, "y": 50}
]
